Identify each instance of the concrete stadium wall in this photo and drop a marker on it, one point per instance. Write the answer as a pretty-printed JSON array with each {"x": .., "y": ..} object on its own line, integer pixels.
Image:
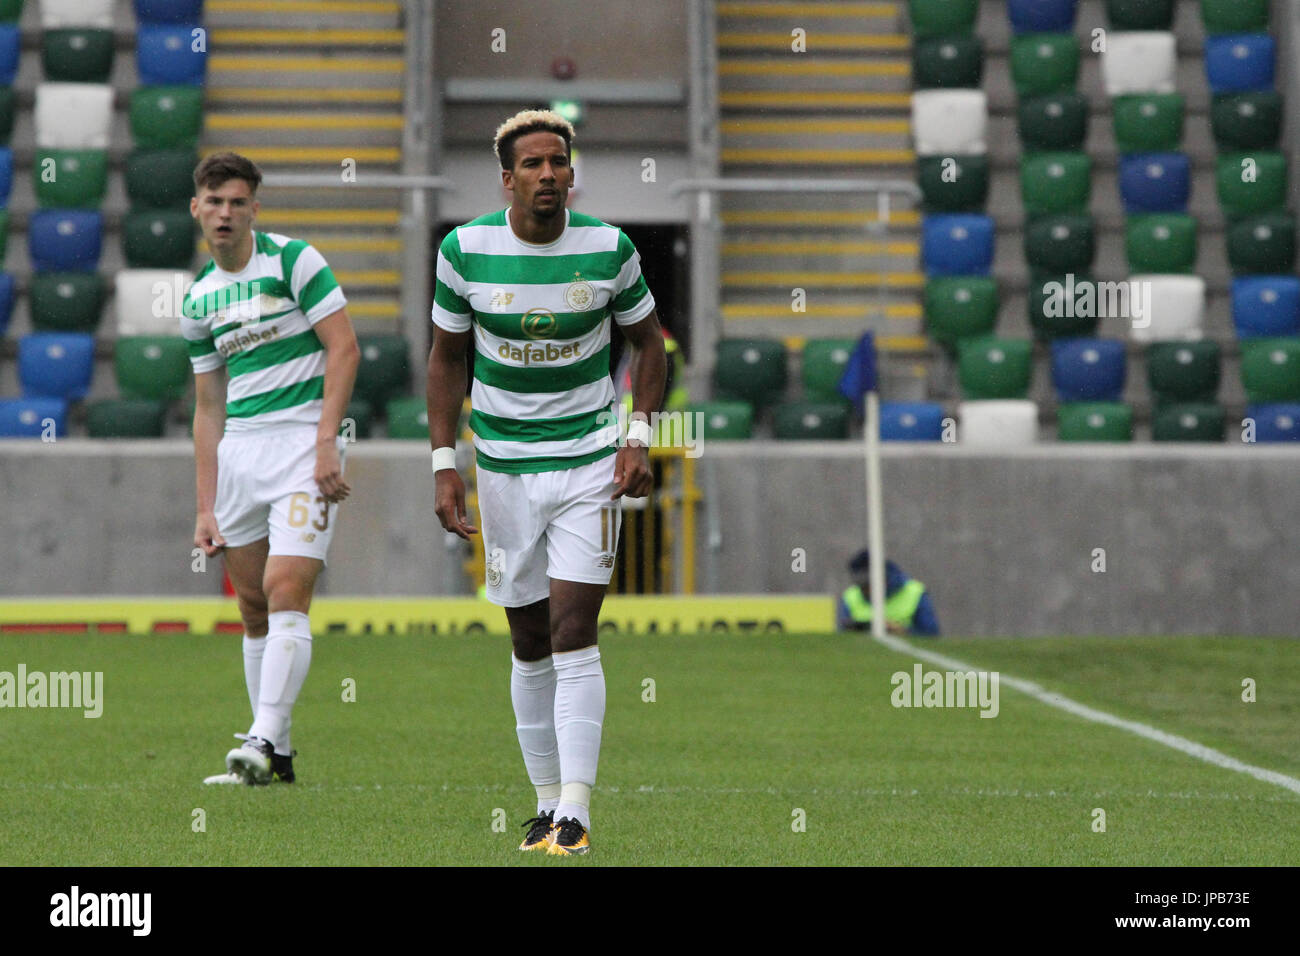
[{"x": 1196, "y": 540}]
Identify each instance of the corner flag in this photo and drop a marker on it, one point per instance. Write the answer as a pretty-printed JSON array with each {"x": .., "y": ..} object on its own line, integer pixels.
[
  {"x": 859, "y": 381},
  {"x": 860, "y": 372}
]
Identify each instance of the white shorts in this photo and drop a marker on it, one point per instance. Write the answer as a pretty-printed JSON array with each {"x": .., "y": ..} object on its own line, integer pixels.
[
  {"x": 266, "y": 484},
  {"x": 553, "y": 524}
]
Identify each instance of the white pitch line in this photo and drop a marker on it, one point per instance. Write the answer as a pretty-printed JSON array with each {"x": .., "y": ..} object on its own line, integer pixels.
[{"x": 1182, "y": 744}]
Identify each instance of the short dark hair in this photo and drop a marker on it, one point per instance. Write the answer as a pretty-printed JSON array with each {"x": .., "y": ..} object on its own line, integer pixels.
[
  {"x": 219, "y": 168},
  {"x": 525, "y": 122}
]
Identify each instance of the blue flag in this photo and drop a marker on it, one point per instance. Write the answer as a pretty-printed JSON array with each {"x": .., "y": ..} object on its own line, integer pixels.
[{"x": 860, "y": 372}]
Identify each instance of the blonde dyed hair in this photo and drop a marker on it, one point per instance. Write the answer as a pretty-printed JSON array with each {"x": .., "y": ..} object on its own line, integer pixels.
[{"x": 523, "y": 123}]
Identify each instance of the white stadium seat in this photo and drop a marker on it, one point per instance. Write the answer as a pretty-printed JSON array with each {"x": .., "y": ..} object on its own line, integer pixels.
[
  {"x": 998, "y": 422},
  {"x": 1139, "y": 62},
  {"x": 73, "y": 115},
  {"x": 148, "y": 301},
  {"x": 56, "y": 14},
  {"x": 950, "y": 122},
  {"x": 1177, "y": 308}
]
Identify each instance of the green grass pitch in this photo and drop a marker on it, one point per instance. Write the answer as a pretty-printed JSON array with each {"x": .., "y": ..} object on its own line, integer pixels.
[{"x": 743, "y": 734}]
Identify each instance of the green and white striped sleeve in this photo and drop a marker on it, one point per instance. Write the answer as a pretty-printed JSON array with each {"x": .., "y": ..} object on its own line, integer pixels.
[
  {"x": 311, "y": 281},
  {"x": 204, "y": 356},
  {"x": 451, "y": 311},
  {"x": 632, "y": 299}
]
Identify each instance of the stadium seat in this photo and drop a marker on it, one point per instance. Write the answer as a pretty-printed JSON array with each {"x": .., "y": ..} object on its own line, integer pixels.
[
  {"x": 73, "y": 115},
  {"x": 6, "y": 301},
  {"x": 1043, "y": 63},
  {"x": 165, "y": 56},
  {"x": 1055, "y": 310},
  {"x": 56, "y": 364},
  {"x": 1055, "y": 182},
  {"x": 408, "y": 418},
  {"x": 1138, "y": 62},
  {"x": 957, "y": 244},
  {"x": 384, "y": 372},
  {"x": 1149, "y": 122},
  {"x": 1094, "y": 421},
  {"x": 1270, "y": 369},
  {"x": 10, "y": 47},
  {"x": 950, "y": 122},
  {"x": 753, "y": 370},
  {"x": 1188, "y": 421},
  {"x": 1177, "y": 306},
  {"x": 1246, "y": 120},
  {"x": 911, "y": 421},
  {"x": 992, "y": 367},
  {"x": 1041, "y": 16},
  {"x": 953, "y": 183},
  {"x": 64, "y": 240},
  {"x": 158, "y": 239},
  {"x": 161, "y": 178},
  {"x": 26, "y": 417},
  {"x": 57, "y": 14},
  {"x": 152, "y": 366},
  {"x": 1262, "y": 245},
  {"x": 362, "y": 415},
  {"x": 1276, "y": 421},
  {"x": 1239, "y": 64},
  {"x": 958, "y": 307},
  {"x": 8, "y": 106},
  {"x": 77, "y": 55},
  {"x": 1235, "y": 16},
  {"x": 11, "y": 11},
  {"x": 1088, "y": 370},
  {"x": 6, "y": 175},
  {"x": 1160, "y": 242},
  {"x": 1140, "y": 14},
  {"x": 998, "y": 423},
  {"x": 810, "y": 421},
  {"x": 933, "y": 18},
  {"x": 725, "y": 420},
  {"x": 166, "y": 117},
  {"x": 148, "y": 301},
  {"x": 1183, "y": 371},
  {"x": 1266, "y": 306},
  {"x": 948, "y": 61},
  {"x": 1155, "y": 182},
  {"x": 66, "y": 301},
  {"x": 1060, "y": 243},
  {"x": 70, "y": 178},
  {"x": 822, "y": 367},
  {"x": 126, "y": 418},
  {"x": 1250, "y": 183},
  {"x": 1056, "y": 121},
  {"x": 169, "y": 11}
]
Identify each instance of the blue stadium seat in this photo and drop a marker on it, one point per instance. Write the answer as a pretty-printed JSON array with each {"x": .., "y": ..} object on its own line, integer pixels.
[
  {"x": 24, "y": 417},
  {"x": 56, "y": 364},
  {"x": 10, "y": 45},
  {"x": 6, "y": 175},
  {"x": 164, "y": 56},
  {"x": 1041, "y": 16},
  {"x": 1240, "y": 62},
  {"x": 168, "y": 11},
  {"x": 1088, "y": 370},
  {"x": 1275, "y": 422},
  {"x": 1266, "y": 305},
  {"x": 957, "y": 245},
  {"x": 65, "y": 240},
  {"x": 1155, "y": 182},
  {"x": 911, "y": 421},
  {"x": 6, "y": 301}
]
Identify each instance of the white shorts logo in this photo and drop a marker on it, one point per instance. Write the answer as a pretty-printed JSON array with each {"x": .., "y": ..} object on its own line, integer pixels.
[{"x": 495, "y": 564}]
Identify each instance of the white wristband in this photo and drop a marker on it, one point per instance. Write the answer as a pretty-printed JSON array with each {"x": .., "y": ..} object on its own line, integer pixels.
[
  {"x": 639, "y": 431},
  {"x": 444, "y": 457}
]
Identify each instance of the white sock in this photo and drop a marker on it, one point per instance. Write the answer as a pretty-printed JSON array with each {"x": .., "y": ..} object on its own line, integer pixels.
[
  {"x": 579, "y": 713},
  {"x": 253, "y": 647},
  {"x": 532, "y": 691},
  {"x": 285, "y": 662}
]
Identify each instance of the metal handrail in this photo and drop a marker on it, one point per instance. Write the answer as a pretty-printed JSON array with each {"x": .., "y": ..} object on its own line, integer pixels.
[{"x": 365, "y": 181}]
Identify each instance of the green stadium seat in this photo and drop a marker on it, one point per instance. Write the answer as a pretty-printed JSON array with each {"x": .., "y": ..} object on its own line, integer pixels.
[
  {"x": 158, "y": 239},
  {"x": 1060, "y": 243},
  {"x": 1160, "y": 243},
  {"x": 126, "y": 418},
  {"x": 1043, "y": 63},
  {"x": 1262, "y": 245},
  {"x": 8, "y": 107},
  {"x": 1094, "y": 421},
  {"x": 1266, "y": 190},
  {"x": 152, "y": 366},
  {"x": 78, "y": 55},
  {"x": 362, "y": 416},
  {"x": 1188, "y": 421},
  {"x": 752, "y": 370},
  {"x": 1055, "y": 182},
  {"x": 968, "y": 189},
  {"x": 1140, "y": 14},
  {"x": 10, "y": 11},
  {"x": 1183, "y": 371},
  {"x": 1055, "y": 121},
  {"x": 66, "y": 301},
  {"x": 1149, "y": 122},
  {"x": 1246, "y": 120},
  {"x": 810, "y": 420},
  {"x": 990, "y": 367},
  {"x": 70, "y": 178},
  {"x": 408, "y": 418},
  {"x": 385, "y": 371},
  {"x": 166, "y": 117},
  {"x": 959, "y": 307},
  {"x": 161, "y": 178},
  {"x": 1049, "y": 316},
  {"x": 1270, "y": 369},
  {"x": 1235, "y": 16},
  {"x": 932, "y": 18},
  {"x": 822, "y": 367},
  {"x": 948, "y": 61},
  {"x": 725, "y": 421}
]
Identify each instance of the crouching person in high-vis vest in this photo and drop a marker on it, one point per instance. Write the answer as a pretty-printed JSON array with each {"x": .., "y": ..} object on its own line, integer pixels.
[{"x": 908, "y": 608}]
